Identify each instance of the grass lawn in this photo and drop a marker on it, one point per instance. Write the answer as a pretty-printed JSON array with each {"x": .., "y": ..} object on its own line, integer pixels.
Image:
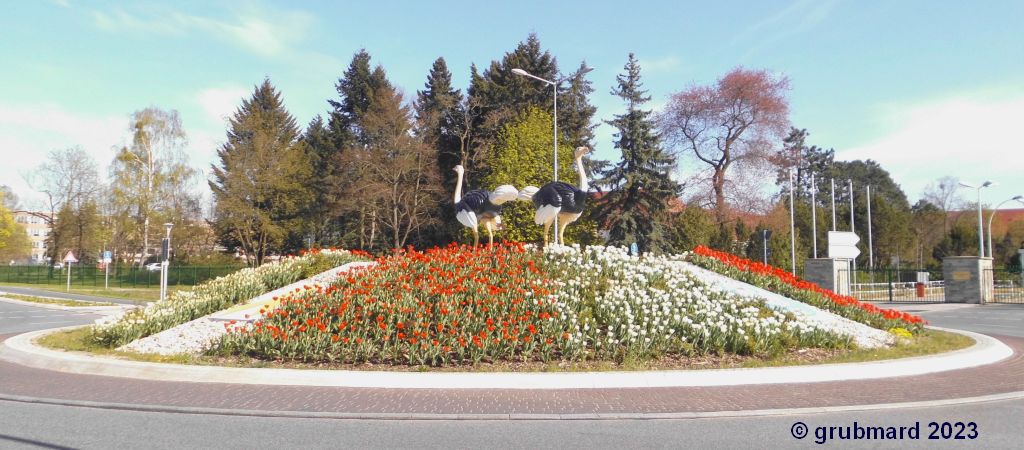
[
  {"x": 78, "y": 340},
  {"x": 148, "y": 294},
  {"x": 55, "y": 301},
  {"x": 927, "y": 343}
]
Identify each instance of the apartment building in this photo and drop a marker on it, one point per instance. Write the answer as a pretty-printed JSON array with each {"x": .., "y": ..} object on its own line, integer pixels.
[{"x": 38, "y": 228}]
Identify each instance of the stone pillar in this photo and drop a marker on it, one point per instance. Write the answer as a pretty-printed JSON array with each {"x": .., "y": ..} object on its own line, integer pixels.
[
  {"x": 831, "y": 274},
  {"x": 967, "y": 279}
]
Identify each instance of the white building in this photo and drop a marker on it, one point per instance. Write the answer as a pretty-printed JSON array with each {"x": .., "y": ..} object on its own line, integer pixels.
[{"x": 38, "y": 229}]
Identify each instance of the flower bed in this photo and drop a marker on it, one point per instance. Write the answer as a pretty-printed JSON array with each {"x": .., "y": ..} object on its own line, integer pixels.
[
  {"x": 461, "y": 305},
  {"x": 787, "y": 284},
  {"x": 213, "y": 296}
]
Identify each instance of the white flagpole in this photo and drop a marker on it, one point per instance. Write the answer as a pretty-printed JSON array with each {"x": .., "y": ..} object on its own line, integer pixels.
[
  {"x": 871, "y": 246},
  {"x": 792, "y": 225},
  {"x": 814, "y": 217}
]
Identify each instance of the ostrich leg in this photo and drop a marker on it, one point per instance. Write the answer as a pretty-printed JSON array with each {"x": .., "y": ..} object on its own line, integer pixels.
[
  {"x": 561, "y": 230},
  {"x": 547, "y": 229},
  {"x": 490, "y": 233},
  {"x": 476, "y": 237}
]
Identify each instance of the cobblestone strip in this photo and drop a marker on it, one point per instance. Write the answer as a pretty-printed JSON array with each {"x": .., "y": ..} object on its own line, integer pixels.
[{"x": 1006, "y": 376}]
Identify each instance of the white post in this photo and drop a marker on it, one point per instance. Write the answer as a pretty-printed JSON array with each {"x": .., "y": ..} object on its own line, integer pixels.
[
  {"x": 792, "y": 225},
  {"x": 106, "y": 275},
  {"x": 871, "y": 247},
  {"x": 853, "y": 261},
  {"x": 981, "y": 236},
  {"x": 764, "y": 238},
  {"x": 814, "y": 217},
  {"x": 833, "y": 204},
  {"x": 69, "y": 277}
]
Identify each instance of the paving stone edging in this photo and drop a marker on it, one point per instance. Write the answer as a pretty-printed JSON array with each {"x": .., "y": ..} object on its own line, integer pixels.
[
  {"x": 21, "y": 350},
  {"x": 509, "y": 416}
]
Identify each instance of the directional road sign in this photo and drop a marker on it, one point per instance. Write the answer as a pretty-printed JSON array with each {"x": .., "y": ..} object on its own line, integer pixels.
[{"x": 843, "y": 245}]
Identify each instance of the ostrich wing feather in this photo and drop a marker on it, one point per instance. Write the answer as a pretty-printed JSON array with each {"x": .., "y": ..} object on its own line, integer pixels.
[
  {"x": 503, "y": 193},
  {"x": 546, "y": 214},
  {"x": 467, "y": 218}
]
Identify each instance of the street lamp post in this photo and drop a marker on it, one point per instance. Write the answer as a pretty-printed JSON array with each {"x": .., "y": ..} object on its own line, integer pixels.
[
  {"x": 981, "y": 235},
  {"x": 554, "y": 90},
  {"x": 1019, "y": 198},
  {"x": 165, "y": 264}
]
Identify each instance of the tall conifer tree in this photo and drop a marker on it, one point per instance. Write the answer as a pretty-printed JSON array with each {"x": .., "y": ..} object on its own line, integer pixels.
[
  {"x": 261, "y": 184},
  {"x": 634, "y": 210}
]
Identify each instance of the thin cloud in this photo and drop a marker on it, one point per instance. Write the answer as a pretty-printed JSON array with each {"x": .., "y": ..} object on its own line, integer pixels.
[
  {"x": 219, "y": 103},
  {"x": 259, "y": 31},
  {"x": 663, "y": 64},
  {"x": 799, "y": 17},
  {"x": 969, "y": 136}
]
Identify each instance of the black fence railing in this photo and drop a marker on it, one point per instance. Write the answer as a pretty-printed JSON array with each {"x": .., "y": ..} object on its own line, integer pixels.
[
  {"x": 120, "y": 276},
  {"x": 897, "y": 285},
  {"x": 1007, "y": 286}
]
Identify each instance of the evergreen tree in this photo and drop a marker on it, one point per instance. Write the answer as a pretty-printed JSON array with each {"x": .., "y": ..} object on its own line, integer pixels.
[
  {"x": 634, "y": 210},
  {"x": 691, "y": 227},
  {"x": 439, "y": 120},
  {"x": 261, "y": 184},
  {"x": 356, "y": 91},
  {"x": 318, "y": 221}
]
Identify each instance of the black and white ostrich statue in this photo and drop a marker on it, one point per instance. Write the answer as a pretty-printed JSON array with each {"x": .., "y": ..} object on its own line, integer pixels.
[
  {"x": 559, "y": 199},
  {"x": 481, "y": 207}
]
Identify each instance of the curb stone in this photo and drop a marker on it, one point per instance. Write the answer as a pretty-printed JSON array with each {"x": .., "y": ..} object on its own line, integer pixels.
[
  {"x": 514, "y": 416},
  {"x": 21, "y": 350}
]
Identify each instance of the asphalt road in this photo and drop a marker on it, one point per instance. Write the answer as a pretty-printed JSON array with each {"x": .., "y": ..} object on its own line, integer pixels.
[
  {"x": 26, "y": 425},
  {"x": 15, "y": 318},
  {"x": 993, "y": 318},
  {"x": 64, "y": 295},
  {"x": 44, "y": 426}
]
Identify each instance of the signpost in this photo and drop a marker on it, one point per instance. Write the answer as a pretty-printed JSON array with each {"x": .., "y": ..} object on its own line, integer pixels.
[
  {"x": 107, "y": 259},
  {"x": 843, "y": 245},
  {"x": 69, "y": 259}
]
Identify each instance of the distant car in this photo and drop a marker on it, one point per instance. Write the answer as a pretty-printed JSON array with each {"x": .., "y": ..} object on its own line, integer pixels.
[
  {"x": 58, "y": 266},
  {"x": 153, "y": 267}
]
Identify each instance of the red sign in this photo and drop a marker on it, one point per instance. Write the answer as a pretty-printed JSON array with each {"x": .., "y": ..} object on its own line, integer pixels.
[{"x": 70, "y": 257}]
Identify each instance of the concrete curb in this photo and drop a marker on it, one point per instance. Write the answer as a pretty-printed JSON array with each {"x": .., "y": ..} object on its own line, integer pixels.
[
  {"x": 511, "y": 416},
  {"x": 21, "y": 350}
]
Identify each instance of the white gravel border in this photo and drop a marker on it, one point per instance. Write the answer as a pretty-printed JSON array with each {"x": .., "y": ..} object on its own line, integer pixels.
[
  {"x": 863, "y": 335},
  {"x": 198, "y": 335}
]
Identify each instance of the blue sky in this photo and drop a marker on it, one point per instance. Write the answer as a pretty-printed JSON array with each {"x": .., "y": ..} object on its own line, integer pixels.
[{"x": 928, "y": 88}]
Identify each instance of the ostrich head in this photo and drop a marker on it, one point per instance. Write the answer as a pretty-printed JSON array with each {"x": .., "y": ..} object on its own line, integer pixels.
[
  {"x": 581, "y": 151},
  {"x": 459, "y": 169}
]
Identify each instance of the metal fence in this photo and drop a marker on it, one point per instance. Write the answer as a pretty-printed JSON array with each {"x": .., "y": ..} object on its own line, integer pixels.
[
  {"x": 892, "y": 285},
  {"x": 120, "y": 276},
  {"x": 1007, "y": 286}
]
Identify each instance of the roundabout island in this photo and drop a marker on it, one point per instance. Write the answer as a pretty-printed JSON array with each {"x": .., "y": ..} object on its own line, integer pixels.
[{"x": 453, "y": 385}]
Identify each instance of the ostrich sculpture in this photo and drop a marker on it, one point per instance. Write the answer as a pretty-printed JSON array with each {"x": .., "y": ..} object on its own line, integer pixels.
[
  {"x": 481, "y": 207},
  {"x": 558, "y": 199}
]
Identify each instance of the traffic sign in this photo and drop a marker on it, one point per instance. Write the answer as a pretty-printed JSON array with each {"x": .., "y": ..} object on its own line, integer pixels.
[
  {"x": 70, "y": 257},
  {"x": 108, "y": 256},
  {"x": 843, "y": 245}
]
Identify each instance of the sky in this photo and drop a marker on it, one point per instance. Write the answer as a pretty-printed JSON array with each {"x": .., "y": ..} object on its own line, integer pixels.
[{"x": 926, "y": 88}]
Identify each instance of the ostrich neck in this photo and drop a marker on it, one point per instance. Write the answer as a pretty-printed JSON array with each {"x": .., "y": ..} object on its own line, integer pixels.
[
  {"x": 458, "y": 188},
  {"x": 583, "y": 175}
]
